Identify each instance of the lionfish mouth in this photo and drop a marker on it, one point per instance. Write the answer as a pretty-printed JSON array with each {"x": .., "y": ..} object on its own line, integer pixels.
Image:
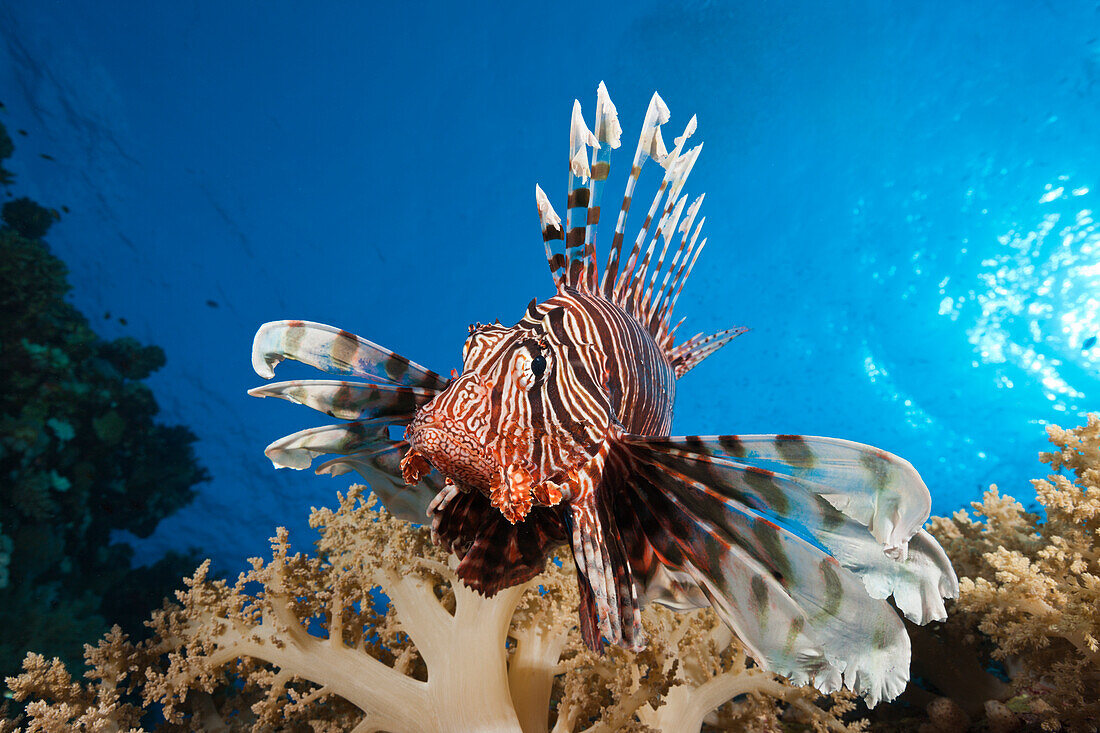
[{"x": 452, "y": 451}]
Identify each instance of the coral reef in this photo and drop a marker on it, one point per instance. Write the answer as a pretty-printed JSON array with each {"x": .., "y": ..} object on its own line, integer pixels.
[
  {"x": 27, "y": 218},
  {"x": 5, "y": 557},
  {"x": 6, "y": 150},
  {"x": 304, "y": 642},
  {"x": 1030, "y": 586},
  {"x": 82, "y": 456},
  {"x": 375, "y": 632}
]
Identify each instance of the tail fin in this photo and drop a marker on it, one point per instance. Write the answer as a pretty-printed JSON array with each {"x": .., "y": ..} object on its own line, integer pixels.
[{"x": 571, "y": 251}]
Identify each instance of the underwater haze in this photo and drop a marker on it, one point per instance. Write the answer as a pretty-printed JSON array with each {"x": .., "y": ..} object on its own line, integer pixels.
[{"x": 899, "y": 206}]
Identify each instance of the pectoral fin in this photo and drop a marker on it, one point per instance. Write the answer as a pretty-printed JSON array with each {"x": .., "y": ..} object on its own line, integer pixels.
[{"x": 609, "y": 601}]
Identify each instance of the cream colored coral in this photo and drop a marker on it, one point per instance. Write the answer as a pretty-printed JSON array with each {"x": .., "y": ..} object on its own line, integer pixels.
[
  {"x": 1032, "y": 585},
  {"x": 297, "y": 643},
  {"x": 57, "y": 703},
  {"x": 715, "y": 681}
]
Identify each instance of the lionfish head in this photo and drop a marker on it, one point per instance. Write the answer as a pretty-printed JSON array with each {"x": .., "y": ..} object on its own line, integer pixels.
[{"x": 499, "y": 427}]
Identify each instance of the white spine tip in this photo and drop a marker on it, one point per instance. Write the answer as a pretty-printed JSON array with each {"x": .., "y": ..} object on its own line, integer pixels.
[
  {"x": 547, "y": 215},
  {"x": 579, "y": 134},
  {"x": 688, "y": 131},
  {"x": 608, "y": 129},
  {"x": 658, "y": 105}
]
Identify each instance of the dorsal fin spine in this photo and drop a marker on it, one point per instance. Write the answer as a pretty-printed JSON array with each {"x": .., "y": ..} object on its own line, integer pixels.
[
  {"x": 691, "y": 264},
  {"x": 680, "y": 276},
  {"x": 631, "y": 284},
  {"x": 666, "y": 343},
  {"x": 608, "y": 134},
  {"x": 673, "y": 171},
  {"x": 678, "y": 279},
  {"x": 679, "y": 169},
  {"x": 580, "y": 139},
  {"x": 553, "y": 237},
  {"x": 650, "y": 145},
  {"x": 659, "y": 317},
  {"x": 639, "y": 293},
  {"x": 687, "y": 355},
  {"x": 667, "y": 230}
]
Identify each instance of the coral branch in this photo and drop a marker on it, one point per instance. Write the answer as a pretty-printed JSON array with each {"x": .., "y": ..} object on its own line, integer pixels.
[
  {"x": 531, "y": 673},
  {"x": 1030, "y": 585},
  {"x": 309, "y": 651}
]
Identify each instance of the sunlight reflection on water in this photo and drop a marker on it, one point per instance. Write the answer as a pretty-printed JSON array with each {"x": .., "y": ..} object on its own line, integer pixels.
[{"x": 1035, "y": 308}]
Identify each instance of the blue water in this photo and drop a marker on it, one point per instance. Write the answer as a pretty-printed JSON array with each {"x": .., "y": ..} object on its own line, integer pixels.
[{"x": 899, "y": 204}]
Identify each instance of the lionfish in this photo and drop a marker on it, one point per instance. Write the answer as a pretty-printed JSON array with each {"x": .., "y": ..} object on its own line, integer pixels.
[{"x": 556, "y": 432}]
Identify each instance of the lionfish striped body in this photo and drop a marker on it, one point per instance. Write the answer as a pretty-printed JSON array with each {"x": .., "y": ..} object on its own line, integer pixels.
[{"x": 557, "y": 432}]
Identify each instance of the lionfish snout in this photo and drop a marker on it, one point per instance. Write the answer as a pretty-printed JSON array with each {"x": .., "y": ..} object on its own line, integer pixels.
[{"x": 450, "y": 434}]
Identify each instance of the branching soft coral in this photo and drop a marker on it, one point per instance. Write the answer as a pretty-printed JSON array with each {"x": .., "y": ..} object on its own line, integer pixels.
[
  {"x": 1033, "y": 586},
  {"x": 305, "y": 643},
  {"x": 715, "y": 681},
  {"x": 57, "y": 703}
]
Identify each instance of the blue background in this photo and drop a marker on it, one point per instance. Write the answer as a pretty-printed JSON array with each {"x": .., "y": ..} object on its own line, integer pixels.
[{"x": 899, "y": 204}]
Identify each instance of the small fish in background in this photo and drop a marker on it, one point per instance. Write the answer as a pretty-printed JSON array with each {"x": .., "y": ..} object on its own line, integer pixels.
[
  {"x": 212, "y": 303},
  {"x": 556, "y": 432},
  {"x": 1089, "y": 343},
  {"x": 45, "y": 156}
]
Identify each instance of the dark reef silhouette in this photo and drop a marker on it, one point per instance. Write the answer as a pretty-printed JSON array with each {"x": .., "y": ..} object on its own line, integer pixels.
[{"x": 81, "y": 453}]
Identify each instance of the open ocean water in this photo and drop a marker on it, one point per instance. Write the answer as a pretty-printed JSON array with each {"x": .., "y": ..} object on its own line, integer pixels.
[{"x": 900, "y": 205}]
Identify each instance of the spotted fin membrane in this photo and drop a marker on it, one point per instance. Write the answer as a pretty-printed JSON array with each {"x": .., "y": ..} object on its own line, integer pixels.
[{"x": 797, "y": 542}]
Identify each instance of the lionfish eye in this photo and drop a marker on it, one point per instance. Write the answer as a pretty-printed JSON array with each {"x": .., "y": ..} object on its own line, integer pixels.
[{"x": 538, "y": 365}]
